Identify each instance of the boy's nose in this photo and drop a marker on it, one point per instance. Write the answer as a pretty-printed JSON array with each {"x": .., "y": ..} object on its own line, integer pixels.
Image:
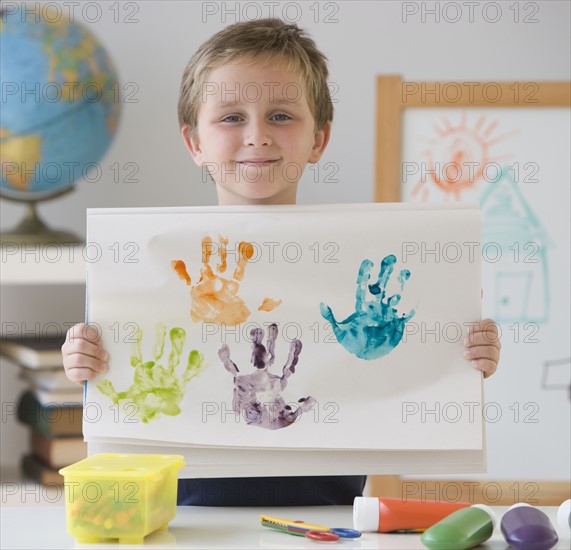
[{"x": 257, "y": 134}]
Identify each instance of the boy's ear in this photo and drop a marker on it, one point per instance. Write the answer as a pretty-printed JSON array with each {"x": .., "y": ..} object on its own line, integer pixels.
[
  {"x": 320, "y": 142},
  {"x": 192, "y": 145}
]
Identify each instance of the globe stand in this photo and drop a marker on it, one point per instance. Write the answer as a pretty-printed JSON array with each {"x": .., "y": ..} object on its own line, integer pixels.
[{"x": 32, "y": 230}]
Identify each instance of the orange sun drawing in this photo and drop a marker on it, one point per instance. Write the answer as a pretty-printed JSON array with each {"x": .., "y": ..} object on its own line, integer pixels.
[{"x": 458, "y": 156}]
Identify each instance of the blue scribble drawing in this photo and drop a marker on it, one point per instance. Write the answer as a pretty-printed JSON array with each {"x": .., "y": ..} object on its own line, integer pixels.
[
  {"x": 257, "y": 396},
  {"x": 375, "y": 328},
  {"x": 513, "y": 235}
]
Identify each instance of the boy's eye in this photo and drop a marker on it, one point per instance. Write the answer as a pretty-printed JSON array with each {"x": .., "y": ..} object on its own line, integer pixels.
[
  {"x": 226, "y": 119},
  {"x": 287, "y": 117}
]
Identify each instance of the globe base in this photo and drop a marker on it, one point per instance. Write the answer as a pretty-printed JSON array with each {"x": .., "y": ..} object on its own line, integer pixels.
[
  {"x": 50, "y": 237},
  {"x": 32, "y": 230}
]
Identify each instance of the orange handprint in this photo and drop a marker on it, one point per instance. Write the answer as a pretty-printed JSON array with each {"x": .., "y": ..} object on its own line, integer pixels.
[{"x": 214, "y": 298}]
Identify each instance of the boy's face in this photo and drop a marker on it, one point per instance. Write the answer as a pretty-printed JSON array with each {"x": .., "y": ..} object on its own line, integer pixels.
[{"x": 256, "y": 133}]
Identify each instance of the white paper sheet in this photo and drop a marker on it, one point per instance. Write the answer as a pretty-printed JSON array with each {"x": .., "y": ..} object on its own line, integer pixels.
[{"x": 415, "y": 392}]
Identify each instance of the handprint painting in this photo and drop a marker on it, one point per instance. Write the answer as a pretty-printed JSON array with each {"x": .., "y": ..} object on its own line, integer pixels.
[
  {"x": 258, "y": 395},
  {"x": 376, "y": 327},
  {"x": 304, "y": 329},
  {"x": 214, "y": 298},
  {"x": 157, "y": 387}
]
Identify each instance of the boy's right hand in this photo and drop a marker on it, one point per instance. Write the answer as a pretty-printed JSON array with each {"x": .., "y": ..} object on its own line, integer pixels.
[{"x": 83, "y": 355}]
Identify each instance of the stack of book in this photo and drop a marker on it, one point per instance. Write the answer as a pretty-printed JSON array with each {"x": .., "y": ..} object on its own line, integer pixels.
[{"x": 51, "y": 407}]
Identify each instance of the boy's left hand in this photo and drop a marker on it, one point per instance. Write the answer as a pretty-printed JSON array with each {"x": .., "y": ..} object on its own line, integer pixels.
[{"x": 482, "y": 346}]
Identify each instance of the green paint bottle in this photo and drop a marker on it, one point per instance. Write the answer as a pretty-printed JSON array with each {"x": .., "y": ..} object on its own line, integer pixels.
[{"x": 462, "y": 529}]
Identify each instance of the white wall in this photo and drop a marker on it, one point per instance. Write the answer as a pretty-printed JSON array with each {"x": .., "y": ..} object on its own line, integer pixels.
[
  {"x": 361, "y": 39},
  {"x": 369, "y": 38}
]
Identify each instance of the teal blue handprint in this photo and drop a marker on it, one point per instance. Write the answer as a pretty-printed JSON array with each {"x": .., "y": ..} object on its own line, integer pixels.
[{"x": 375, "y": 328}]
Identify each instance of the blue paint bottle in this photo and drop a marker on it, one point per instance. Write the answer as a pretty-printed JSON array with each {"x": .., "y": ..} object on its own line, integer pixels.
[
  {"x": 526, "y": 527},
  {"x": 564, "y": 516}
]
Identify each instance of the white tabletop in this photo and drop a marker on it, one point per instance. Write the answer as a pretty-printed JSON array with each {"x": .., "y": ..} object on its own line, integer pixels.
[{"x": 206, "y": 527}]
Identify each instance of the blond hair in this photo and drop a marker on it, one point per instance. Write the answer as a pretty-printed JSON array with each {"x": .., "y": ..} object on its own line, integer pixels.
[{"x": 263, "y": 41}]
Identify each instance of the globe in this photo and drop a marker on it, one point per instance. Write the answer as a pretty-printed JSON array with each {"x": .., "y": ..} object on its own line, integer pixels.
[{"x": 60, "y": 106}]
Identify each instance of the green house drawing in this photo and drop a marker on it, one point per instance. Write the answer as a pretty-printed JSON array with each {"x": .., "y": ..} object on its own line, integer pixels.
[{"x": 521, "y": 286}]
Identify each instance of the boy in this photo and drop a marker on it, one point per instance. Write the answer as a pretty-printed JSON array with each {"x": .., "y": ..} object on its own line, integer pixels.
[{"x": 254, "y": 109}]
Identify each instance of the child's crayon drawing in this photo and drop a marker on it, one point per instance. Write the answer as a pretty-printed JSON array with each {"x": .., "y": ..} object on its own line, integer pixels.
[
  {"x": 214, "y": 298},
  {"x": 458, "y": 156},
  {"x": 157, "y": 389},
  {"x": 375, "y": 328},
  {"x": 515, "y": 235},
  {"x": 258, "y": 396}
]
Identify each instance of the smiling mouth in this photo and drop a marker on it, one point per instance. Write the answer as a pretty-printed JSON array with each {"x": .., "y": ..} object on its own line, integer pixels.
[{"x": 258, "y": 162}]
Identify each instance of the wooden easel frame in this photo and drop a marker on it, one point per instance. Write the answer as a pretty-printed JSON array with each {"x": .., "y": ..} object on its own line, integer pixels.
[{"x": 392, "y": 98}]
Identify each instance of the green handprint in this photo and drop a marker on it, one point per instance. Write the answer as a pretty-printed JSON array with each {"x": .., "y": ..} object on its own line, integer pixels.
[{"x": 157, "y": 389}]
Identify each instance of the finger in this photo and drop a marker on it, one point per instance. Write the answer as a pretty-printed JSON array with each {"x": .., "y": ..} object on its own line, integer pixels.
[
  {"x": 180, "y": 269},
  {"x": 387, "y": 267},
  {"x": 362, "y": 281},
  {"x": 487, "y": 366},
  {"x": 482, "y": 339},
  {"x": 482, "y": 352},
  {"x": 82, "y": 361},
  {"x": 246, "y": 251},
  {"x": 207, "y": 249},
  {"x": 486, "y": 329},
  {"x": 224, "y": 352},
  {"x": 84, "y": 347},
  {"x": 222, "y": 252},
  {"x": 82, "y": 331},
  {"x": 327, "y": 314}
]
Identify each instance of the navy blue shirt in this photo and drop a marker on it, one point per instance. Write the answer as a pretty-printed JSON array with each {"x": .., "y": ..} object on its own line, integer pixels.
[{"x": 270, "y": 491}]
